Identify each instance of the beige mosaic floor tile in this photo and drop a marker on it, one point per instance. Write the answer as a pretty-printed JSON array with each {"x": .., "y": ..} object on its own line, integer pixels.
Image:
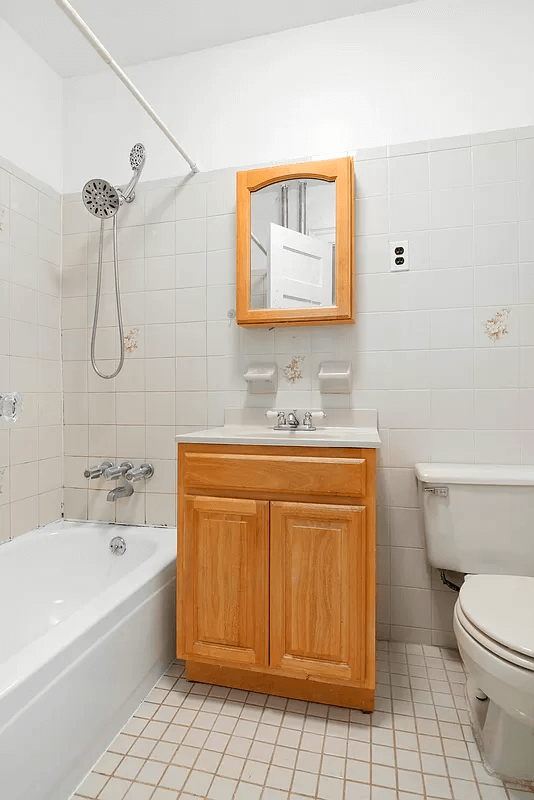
[{"x": 188, "y": 741}]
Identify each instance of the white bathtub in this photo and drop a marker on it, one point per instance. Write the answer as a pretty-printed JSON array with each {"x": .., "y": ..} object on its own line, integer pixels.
[{"x": 84, "y": 635}]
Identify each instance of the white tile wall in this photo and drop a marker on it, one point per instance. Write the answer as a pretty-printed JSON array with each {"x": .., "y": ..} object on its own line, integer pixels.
[
  {"x": 31, "y": 449},
  {"x": 420, "y": 353}
]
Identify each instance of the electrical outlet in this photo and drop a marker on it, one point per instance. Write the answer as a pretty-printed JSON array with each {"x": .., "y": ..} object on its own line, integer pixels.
[{"x": 399, "y": 257}]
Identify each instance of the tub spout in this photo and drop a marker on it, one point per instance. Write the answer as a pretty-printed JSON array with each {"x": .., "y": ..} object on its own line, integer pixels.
[{"x": 120, "y": 491}]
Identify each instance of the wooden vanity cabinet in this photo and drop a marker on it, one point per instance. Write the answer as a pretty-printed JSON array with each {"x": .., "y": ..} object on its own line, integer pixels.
[{"x": 276, "y": 570}]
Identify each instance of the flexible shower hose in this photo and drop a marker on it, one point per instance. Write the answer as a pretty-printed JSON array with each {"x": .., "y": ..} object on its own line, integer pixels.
[{"x": 117, "y": 297}]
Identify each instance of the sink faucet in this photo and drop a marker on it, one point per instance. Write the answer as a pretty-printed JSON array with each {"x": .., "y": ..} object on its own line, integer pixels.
[
  {"x": 292, "y": 420},
  {"x": 120, "y": 491}
]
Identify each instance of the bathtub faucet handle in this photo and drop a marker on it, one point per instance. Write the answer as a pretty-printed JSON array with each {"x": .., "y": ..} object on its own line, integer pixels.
[
  {"x": 144, "y": 471},
  {"x": 97, "y": 472},
  {"x": 112, "y": 473}
]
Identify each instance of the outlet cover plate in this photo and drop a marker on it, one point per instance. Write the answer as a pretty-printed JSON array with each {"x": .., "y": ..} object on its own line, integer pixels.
[{"x": 395, "y": 255}]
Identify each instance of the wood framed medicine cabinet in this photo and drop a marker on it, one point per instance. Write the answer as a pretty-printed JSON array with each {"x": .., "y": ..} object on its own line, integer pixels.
[{"x": 295, "y": 244}]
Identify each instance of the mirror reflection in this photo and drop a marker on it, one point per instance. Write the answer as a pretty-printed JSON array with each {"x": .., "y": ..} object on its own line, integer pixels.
[{"x": 293, "y": 244}]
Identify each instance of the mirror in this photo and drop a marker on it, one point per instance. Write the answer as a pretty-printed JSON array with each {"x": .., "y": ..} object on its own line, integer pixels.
[{"x": 294, "y": 244}]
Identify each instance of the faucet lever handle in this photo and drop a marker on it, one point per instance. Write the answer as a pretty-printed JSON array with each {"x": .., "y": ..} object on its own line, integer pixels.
[
  {"x": 117, "y": 472},
  {"x": 307, "y": 421},
  {"x": 97, "y": 472},
  {"x": 280, "y": 417},
  {"x": 144, "y": 471}
]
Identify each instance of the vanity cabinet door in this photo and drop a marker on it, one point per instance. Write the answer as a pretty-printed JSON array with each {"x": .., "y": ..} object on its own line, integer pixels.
[
  {"x": 318, "y": 589},
  {"x": 225, "y": 574}
]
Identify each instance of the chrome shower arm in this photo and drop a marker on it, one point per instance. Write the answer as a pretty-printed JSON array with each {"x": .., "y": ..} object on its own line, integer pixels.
[{"x": 128, "y": 191}]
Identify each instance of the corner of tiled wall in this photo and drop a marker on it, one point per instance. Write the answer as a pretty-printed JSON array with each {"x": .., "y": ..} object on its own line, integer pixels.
[{"x": 30, "y": 359}]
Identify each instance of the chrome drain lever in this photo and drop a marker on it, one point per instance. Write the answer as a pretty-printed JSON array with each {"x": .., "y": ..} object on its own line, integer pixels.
[{"x": 117, "y": 546}]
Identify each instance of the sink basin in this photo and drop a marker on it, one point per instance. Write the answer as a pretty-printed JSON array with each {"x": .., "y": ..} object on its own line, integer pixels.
[{"x": 341, "y": 428}]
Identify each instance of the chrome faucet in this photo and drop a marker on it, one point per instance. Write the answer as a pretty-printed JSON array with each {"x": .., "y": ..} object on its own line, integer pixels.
[
  {"x": 292, "y": 420},
  {"x": 97, "y": 472},
  {"x": 112, "y": 473},
  {"x": 120, "y": 491},
  {"x": 144, "y": 471},
  {"x": 307, "y": 422}
]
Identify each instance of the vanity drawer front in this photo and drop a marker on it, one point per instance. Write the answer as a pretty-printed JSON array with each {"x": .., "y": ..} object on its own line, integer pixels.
[{"x": 277, "y": 473}]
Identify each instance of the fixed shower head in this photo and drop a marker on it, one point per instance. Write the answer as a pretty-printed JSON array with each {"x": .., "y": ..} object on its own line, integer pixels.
[
  {"x": 100, "y": 198},
  {"x": 137, "y": 156}
]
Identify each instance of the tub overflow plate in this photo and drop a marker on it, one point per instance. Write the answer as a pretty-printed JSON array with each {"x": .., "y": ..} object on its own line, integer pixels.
[{"x": 117, "y": 546}]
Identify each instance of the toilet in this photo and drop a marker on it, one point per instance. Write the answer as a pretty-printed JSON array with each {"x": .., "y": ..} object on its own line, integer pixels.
[{"x": 479, "y": 520}]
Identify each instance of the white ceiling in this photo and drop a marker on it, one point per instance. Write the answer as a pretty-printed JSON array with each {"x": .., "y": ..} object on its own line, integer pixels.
[{"x": 135, "y": 31}]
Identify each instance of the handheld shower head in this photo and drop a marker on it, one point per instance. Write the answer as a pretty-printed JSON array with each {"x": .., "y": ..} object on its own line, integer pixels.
[
  {"x": 103, "y": 200},
  {"x": 137, "y": 156},
  {"x": 100, "y": 198},
  {"x": 137, "y": 162}
]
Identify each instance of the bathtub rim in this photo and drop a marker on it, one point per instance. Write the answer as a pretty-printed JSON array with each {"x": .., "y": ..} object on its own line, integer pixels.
[{"x": 152, "y": 574}]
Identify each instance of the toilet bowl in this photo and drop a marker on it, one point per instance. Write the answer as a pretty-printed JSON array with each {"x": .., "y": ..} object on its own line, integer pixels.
[
  {"x": 478, "y": 520},
  {"x": 494, "y": 627}
]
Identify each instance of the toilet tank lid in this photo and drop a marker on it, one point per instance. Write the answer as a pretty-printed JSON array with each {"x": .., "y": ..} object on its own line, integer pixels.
[{"x": 490, "y": 474}]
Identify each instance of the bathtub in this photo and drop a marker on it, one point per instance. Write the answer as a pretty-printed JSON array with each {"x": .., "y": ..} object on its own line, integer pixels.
[{"x": 84, "y": 635}]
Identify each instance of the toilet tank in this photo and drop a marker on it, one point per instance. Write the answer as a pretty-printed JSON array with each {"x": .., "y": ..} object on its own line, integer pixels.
[{"x": 483, "y": 519}]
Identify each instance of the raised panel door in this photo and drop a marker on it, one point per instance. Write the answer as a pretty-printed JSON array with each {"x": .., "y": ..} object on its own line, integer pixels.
[
  {"x": 225, "y": 572},
  {"x": 318, "y": 590}
]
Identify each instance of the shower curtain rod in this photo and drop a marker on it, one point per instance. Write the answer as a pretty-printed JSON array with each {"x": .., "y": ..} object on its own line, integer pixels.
[{"x": 103, "y": 53}]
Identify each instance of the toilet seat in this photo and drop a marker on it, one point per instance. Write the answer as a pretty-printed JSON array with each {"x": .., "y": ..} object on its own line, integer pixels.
[
  {"x": 498, "y": 611},
  {"x": 490, "y": 644}
]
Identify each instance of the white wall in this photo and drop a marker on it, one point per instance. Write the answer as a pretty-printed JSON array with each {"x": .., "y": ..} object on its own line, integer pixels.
[
  {"x": 424, "y": 70},
  {"x": 420, "y": 351},
  {"x": 30, "y": 358},
  {"x": 31, "y": 105}
]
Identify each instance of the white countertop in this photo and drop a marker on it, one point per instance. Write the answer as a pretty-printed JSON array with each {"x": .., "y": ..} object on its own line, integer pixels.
[{"x": 347, "y": 428}]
